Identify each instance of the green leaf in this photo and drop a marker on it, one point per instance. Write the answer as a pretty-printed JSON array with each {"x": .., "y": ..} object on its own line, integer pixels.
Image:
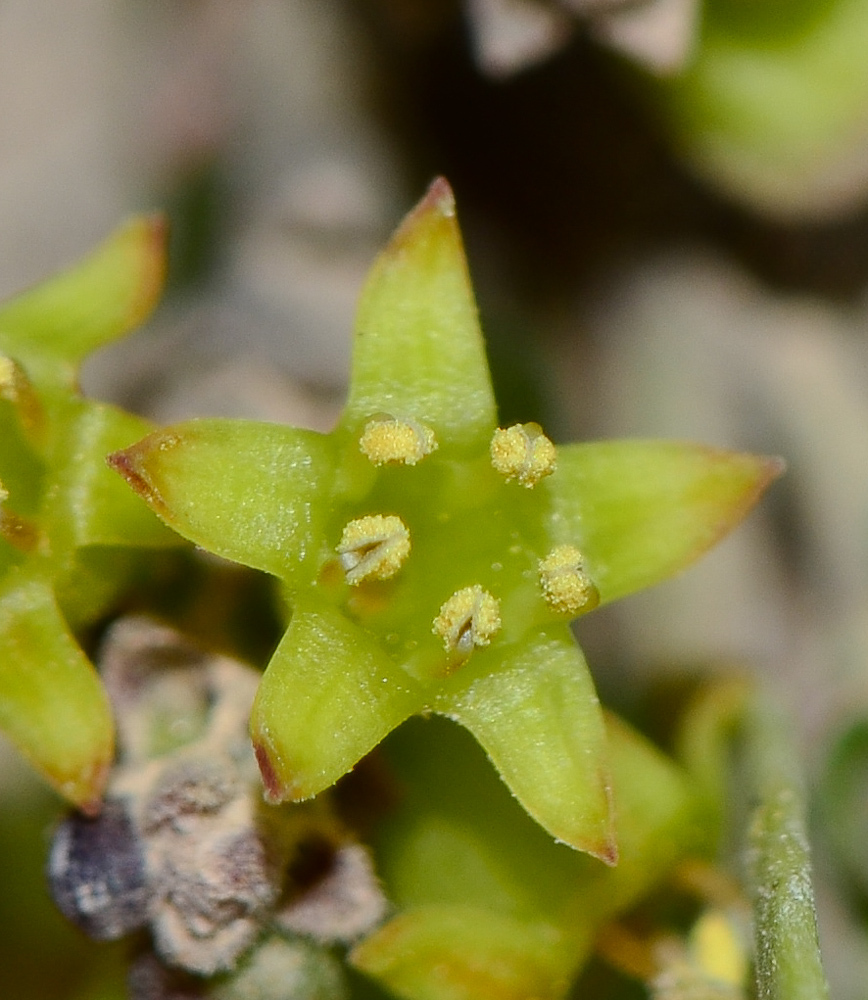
[
  {"x": 538, "y": 718},
  {"x": 250, "y": 492},
  {"x": 52, "y": 704},
  {"x": 329, "y": 695},
  {"x": 639, "y": 511},
  {"x": 52, "y": 327},
  {"x": 418, "y": 350}
]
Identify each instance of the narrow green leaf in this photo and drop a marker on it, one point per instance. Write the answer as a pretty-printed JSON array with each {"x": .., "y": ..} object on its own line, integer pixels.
[
  {"x": 52, "y": 704},
  {"x": 52, "y": 327},
  {"x": 639, "y": 511},
  {"x": 788, "y": 963},
  {"x": 246, "y": 491},
  {"x": 418, "y": 350},
  {"x": 538, "y": 718},
  {"x": 329, "y": 695}
]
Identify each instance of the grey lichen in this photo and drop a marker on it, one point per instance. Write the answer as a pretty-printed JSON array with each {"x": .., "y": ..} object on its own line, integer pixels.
[{"x": 185, "y": 845}]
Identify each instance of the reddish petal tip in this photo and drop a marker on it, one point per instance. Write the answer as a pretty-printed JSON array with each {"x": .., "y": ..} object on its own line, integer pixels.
[
  {"x": 440, "y": 197},
  {"x": 609, "y": 853},
  {"x": 275, "y": 793},
  {"x": 438, "y": 204},
  {"x": 89, "y": 788},
  {"x": 127, "y": 464}
]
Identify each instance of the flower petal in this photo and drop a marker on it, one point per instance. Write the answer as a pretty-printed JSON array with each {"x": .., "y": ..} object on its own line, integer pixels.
[
  {"x": 51, "y": 328},
  {"x": 52, "y": 704},
  {"x": 251, "y": 492},
  {"x": 418, "y": 350},
  {"x": 639, "y": 511},
  {"x": 329, "y": 695},
  {"x": 538, "y": 718}
]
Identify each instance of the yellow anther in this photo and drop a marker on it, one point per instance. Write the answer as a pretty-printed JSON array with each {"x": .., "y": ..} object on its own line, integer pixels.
[
  {"x": 523, "y": 452},
  {"x": 565, "y": 584},
  {"x": 7, "y": 373},
  {"x": 373, "y": 547},
  {"x": 386, "y": 439},
  {"x": 471, "y": 617},
  {"x": 718, "y": 950}
]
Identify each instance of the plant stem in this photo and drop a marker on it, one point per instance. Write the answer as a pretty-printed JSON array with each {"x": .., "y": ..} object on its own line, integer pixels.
[{"x": 788, "y": 964}]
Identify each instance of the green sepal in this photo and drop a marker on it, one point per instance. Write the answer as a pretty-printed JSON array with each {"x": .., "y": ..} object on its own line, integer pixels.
[
  {"x": 20, "y": 401},
  {"x": 464, "y": 953},
  {"x": 658, "y": 818},
  {"x": 89, "y": 505},
  {"x": 418, "y": 351},
  {"x": 22, "y": 468},
  {"x": 640, "y": 511},
  {"x": 457, "y": 843},
  {"x": 704, "y": 740},
  {"x": 52, "y": 327},
  {"x": 95, "y": 582},
  {"x": 250, "y": 492},
  {"x": 538, "y": 718},
  {"x": 328, "y": 696},
  {"x": 52, "y": 704}
]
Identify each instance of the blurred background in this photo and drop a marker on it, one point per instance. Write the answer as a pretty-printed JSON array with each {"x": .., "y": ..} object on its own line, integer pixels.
[{"x": 665, "y": 205}]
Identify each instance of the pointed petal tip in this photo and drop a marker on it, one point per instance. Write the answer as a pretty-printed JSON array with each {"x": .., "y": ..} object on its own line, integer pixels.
[
  {"x": 152, "y": 234},
  {"x": 439, "y": 197},
  {"x": 765, "y": 470},
  {"x": 437, "y": 203},
  {"x": 775, "y": 467},
  {"x": 91, "y": 807},
  {"x": 157, "y": 225},
  {"x": 603, "y": 846},
  {"x": 85, "y": 791},
  {"x": 273, "y": 788},
  {"x": 609, "y": 853},
  {"x": 128, "y": 464}
]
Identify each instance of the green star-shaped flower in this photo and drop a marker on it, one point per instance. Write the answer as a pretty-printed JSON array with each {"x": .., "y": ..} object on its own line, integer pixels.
[
  {"x": 67, "y": 533},
  {"x": 434, "y": 561}
]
